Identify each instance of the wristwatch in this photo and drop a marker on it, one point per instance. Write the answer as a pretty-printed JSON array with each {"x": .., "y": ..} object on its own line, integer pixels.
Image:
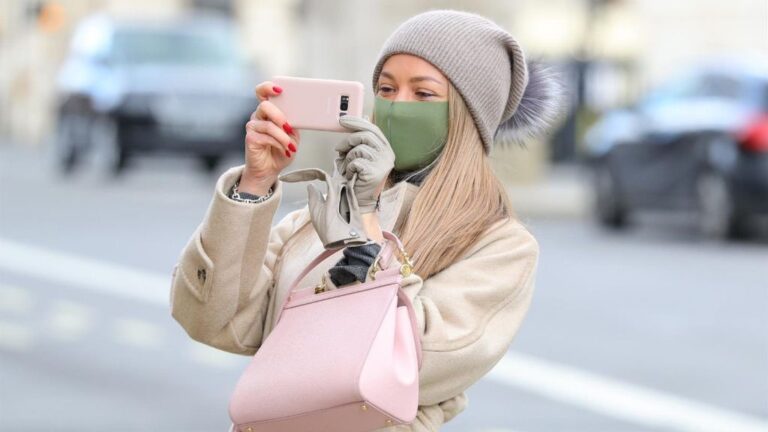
[{"x": 246, "y": 197}]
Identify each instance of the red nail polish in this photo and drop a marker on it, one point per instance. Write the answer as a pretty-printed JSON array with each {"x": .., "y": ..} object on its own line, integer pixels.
[
  {"x": 277, "y": 89},
  {"x": 287, "y": 153},
  {"x": 287, "y": 128},
  {"x": 292, "y": 147}
]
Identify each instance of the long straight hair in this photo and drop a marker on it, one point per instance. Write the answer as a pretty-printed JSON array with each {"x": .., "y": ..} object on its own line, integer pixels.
[{"x": 459, "y": 198}]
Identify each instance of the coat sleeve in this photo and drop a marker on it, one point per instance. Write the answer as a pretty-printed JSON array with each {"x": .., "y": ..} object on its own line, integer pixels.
[
  {"x": 223, "y": 281},
  {"x": 469, "y": 313}
]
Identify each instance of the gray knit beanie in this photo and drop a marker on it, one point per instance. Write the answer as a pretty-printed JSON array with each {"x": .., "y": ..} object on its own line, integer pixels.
[{"x": 510, "y": 99}]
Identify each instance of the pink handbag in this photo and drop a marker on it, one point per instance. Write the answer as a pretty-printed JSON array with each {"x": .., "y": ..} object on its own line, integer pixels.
[{"x": 337, "y": 360}]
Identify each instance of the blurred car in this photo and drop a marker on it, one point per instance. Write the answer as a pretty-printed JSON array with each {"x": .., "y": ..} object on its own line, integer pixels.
[
  {"x": 698, "y": 142},
  {"x": 129, "y": 87}
]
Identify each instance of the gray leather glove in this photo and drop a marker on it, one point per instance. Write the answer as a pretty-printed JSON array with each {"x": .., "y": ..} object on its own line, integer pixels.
[
  {"x": 367, "y": 153},
  {"x": 336, "y": 216}
]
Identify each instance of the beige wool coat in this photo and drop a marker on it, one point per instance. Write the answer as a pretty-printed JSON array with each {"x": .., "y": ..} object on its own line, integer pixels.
[{"x": 236, "y": 268}]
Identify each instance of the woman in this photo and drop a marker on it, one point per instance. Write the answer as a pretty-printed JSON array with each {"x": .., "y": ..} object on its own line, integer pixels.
[{"x": 465, "y": 81}]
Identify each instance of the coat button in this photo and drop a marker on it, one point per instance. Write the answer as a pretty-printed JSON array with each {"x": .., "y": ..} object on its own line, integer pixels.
[{"x": 201, "y": 274}]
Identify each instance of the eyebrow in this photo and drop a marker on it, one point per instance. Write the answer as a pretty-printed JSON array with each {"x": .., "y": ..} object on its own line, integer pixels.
[{"x": 414, "y": 79}]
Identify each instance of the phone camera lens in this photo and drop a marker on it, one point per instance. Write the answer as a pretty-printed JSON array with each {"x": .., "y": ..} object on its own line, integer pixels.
[{"x": 344, "y": 103}]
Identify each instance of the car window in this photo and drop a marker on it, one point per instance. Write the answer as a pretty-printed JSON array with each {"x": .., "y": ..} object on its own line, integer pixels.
[
  {"x": 721, "y": 86},
  {"x": 681, "y": 87},
  {"x": 696, "y": 86},
  {"x": 185, "y": 47}
]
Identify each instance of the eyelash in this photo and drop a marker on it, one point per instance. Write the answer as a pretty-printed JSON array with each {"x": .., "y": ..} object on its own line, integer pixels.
[{"x": 418, "y": 93}]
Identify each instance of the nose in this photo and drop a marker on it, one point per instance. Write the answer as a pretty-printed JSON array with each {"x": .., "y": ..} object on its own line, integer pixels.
[{"x": 404, "y": 96}]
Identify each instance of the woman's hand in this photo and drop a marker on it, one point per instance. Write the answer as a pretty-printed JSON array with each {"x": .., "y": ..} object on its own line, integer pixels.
[
  {"x": 366, "y": 152},
  {"x": 270, "y": 143}
]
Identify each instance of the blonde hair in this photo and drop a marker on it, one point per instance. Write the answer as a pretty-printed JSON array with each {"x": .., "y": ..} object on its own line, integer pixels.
[{"x": 459, "y": 198}]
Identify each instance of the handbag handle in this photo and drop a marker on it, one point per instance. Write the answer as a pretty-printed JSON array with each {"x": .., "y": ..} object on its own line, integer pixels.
[{"x": 386, "y": 255}]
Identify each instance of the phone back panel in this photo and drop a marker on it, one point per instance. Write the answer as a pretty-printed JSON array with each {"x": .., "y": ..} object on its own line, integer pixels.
[{"x": 310, "y": 103}]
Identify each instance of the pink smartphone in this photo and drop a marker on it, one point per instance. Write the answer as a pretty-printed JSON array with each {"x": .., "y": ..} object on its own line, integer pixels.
[{"x": 310, "y": 103}]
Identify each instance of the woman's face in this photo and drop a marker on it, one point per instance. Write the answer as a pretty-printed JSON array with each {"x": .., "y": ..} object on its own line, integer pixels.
[{"x": 406, "y": 77}]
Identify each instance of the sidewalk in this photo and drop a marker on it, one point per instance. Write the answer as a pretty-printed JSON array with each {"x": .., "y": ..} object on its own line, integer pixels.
[{"x": 564, "y": 192}]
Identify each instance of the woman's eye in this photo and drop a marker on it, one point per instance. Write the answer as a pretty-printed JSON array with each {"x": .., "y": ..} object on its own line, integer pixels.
[
  {"x": 384, "y": 89},
  {"x": 424, "y": 94}
]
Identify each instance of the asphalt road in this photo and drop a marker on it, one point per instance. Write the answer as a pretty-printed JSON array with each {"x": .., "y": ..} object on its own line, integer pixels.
[{"x": 654, "y": 329}]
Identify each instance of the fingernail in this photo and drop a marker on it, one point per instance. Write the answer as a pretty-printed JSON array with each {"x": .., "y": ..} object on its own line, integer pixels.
[
  {"x": 287, "y": 128},
  {"x": 287, "y": 153},
  {"x": 277, "y": 89},
  {"x": 292, "y": 147}
]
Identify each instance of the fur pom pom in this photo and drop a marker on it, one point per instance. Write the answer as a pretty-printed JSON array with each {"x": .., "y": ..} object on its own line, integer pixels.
[{"x": 542, "y": 104}]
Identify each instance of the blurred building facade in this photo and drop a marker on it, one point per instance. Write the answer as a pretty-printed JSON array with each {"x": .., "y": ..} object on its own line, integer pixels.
[{"x": 609, "y": 50}]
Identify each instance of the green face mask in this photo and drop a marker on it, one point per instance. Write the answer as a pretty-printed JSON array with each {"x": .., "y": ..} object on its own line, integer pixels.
[{"x": 416, "y": 130}]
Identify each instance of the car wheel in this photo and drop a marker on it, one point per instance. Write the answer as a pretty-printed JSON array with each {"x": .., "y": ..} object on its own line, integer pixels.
[
  {"x": 717, "y": 218},
  {"x": 109, "y": 156},
  {"x": 608, "y": 207},
  {"x": 68, "y": 142},
  {"x": 210, "y": 162}
]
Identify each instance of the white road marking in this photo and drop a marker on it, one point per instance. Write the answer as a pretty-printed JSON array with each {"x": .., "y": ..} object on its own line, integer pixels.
[
  {"x": 14, "y": 299},
  {"x": 80, "y": 272},
  {"x": 618, "y": 399},
  {"x": 561, "y": 383},
  {"x": 15, "y": 336},
  {"x": 138, "y": 333},
  {"x": 69, "y": 321}
]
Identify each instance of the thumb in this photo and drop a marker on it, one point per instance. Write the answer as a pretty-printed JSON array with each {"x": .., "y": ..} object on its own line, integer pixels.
[
  {"x": 357, "y": 124},
  {"x": 353, "y": 123}
]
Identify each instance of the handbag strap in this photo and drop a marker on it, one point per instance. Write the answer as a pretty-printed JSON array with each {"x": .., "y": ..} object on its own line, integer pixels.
[
  {"x": 386, "y": 254},
  {"x": 403, "y": 297},
  {"x": 388, "y": 250}
]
